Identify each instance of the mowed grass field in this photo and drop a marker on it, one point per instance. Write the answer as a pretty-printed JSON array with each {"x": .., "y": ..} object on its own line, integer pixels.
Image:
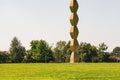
[{"x": 58, "y": 71}]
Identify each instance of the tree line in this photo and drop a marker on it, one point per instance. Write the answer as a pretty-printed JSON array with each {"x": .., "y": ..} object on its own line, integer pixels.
[{"x": 41, "y": 52}]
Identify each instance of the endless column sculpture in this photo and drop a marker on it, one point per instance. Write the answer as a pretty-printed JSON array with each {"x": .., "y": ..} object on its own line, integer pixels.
[{"x": 74, "y": 31}]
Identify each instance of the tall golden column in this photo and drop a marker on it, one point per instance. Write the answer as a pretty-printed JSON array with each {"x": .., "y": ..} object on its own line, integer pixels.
[{"x": 74, "y": 31}]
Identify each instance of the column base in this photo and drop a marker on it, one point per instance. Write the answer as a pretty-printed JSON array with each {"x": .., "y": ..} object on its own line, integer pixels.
[{"x": 74, "y": 58}]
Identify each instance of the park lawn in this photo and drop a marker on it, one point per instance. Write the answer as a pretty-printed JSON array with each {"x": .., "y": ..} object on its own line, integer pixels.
[{"x": 60, "y": 71}]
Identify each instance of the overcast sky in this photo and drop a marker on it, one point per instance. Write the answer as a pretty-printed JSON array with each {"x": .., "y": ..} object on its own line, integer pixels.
[{"x": 49, "y": 20}]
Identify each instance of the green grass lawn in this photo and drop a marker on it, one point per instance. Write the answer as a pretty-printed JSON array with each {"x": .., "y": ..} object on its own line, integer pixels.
[{"x": 81, "y": 71}]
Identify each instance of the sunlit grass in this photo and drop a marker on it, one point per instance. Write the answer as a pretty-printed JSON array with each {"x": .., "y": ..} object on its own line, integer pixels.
[{"x": 81, "y": 71}]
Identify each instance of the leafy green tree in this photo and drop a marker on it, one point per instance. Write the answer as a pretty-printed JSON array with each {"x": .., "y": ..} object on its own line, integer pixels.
[
  {"x": 115, "y": 55},
  {"x": 17, "y": 51},
  {"x": 102, "y": 47},
  {"x": 87, "y": 52},
  {"x": 67, "y": 52},
  {"x": 40, "y": 52},
  {"x": 4, "y": 56},
  {"x": 106, "y": 57},
  {"x": 84, "y": 52},
  {"x": 32, "y": 54},
  {"x": 116, "y": 51},
  {"x": 94, "y": 54},
  {"x": 102, "y": 53},
  {"x": 60, "y": 51}
]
